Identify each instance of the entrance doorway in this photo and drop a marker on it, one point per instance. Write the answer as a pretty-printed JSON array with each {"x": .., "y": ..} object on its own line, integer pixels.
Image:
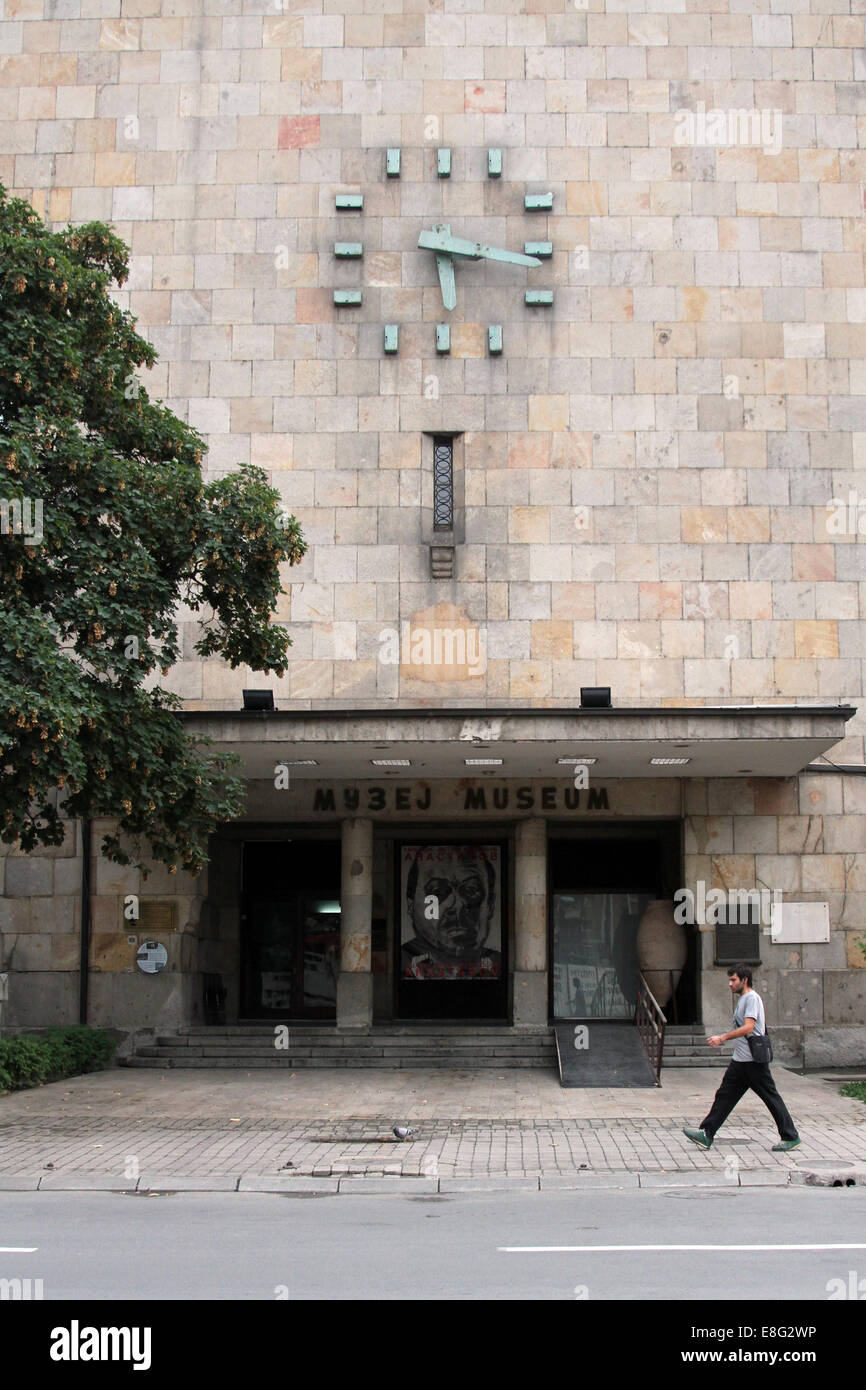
[
  {"x": 600, "y": 882},
  {"x": 290, "y": 929}
]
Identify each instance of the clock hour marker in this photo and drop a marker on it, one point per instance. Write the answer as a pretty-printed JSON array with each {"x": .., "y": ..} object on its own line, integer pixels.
[
  {"x": 349, "y": 202},
  {"x": 494, "y": 339},
  {"x": 443, "y": 337},
  {"x": 346, "y": 297},
  {"x": 494, "y": 164},
  {"x": 538, "y": 202},
  {"x": 538, "y": 248},
  {"x": 443, "y": 164},
  {"x": 539, "y": 297},
  {"x": 392, "y": 164},
  {"x": 348, "y": 250},
  {"x": 392, "y": 337}
]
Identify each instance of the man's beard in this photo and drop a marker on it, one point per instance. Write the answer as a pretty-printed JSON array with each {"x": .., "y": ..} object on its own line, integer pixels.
[{"x": 460, "y": 933}]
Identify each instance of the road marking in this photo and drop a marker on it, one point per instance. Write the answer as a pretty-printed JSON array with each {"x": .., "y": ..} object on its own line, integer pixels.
[
  {"x": 587, "y": 1250},
  {"x": 18, "y": 1249}
]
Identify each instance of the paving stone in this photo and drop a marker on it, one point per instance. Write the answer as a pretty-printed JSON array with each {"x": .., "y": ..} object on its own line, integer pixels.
[
  {"x": 554, "y": 1181},
  {"x": 204, "y": 1183},
  {"x": 764, "y": 1177},
  {"x": 286, "y": 1184},
  {"x": 488, "y": 1184},
  {"x": 85, "y": 1182},
  {"x": 716, "y": 1179},
  {"x": 367, "y": 1186}
]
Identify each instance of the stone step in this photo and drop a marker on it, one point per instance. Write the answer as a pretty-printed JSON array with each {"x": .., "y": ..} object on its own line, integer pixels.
[
  {"x": 349, "y": 1048},
  {"x": 479, "y": 1031},
  {"x": 694, "y": 1062},
  {"x": 349, "y": 1054},
  {"x": 292, "y": 1063},
  {"x": 388, "y": 1044}
]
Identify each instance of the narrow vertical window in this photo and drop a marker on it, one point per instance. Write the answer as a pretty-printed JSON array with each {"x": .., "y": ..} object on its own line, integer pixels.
[{"x": 443, "y": 483}]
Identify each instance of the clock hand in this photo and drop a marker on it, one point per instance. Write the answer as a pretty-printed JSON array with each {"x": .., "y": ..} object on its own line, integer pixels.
[
  {"x": 441, "y": 241},
  {"x": 445, "y": 266}
]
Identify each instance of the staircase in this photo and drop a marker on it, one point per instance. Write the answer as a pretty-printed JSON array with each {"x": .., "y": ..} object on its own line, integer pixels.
[
  {"x": 422, "y": 1047},
  {"x": 387, "y": 1046},
  {"x": 686, "y": 1046}
]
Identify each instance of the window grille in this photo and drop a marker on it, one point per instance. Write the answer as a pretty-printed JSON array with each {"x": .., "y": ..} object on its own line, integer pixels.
[{"x": 443, "y": 484}]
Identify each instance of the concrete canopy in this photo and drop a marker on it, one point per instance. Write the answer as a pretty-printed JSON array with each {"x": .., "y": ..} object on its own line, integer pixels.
[{"x": 341, "y": 745}]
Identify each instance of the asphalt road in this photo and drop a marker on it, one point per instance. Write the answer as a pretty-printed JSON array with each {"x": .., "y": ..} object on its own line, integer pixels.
[{"x": 263, "y": 1247}]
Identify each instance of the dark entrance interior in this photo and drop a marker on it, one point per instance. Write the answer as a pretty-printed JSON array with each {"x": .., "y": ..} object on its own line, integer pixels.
[
  {"x": 290, "y": 929},
  {"x": 600, "y": 882}
]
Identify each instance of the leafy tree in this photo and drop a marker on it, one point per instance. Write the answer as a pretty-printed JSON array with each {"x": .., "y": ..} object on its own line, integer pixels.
[{"x": 106, "y": 525}]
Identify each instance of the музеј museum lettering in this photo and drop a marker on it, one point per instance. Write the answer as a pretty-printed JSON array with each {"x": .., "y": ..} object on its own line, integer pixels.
[{"x": 493, "y": 798}]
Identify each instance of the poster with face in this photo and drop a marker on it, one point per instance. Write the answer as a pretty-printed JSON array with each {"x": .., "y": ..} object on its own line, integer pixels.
[{"x": 451, "y": 927}]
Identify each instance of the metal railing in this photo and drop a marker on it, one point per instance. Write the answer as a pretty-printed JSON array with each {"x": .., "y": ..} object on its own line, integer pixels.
[{"x": 649, "y": 1020}]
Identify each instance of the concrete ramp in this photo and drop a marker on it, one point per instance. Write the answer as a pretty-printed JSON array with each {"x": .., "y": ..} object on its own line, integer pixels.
[{"x": 607, "y": 1054}]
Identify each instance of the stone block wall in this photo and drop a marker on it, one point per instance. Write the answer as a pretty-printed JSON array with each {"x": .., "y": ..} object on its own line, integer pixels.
[
  {"x": 649, "y": 468},
  {"x": 40, "y": 951},
  {"x": 805, "y": 838},
  {"x": 660, "y": 478}
]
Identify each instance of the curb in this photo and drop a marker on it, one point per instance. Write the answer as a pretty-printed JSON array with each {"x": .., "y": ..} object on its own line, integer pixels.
[
  {"x": 846, "y": 1175},
  {"x": 359, "y": 1184}
]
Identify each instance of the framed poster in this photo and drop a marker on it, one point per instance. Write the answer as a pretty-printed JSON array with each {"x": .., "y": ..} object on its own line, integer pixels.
[{"x": 451, "y": 912}]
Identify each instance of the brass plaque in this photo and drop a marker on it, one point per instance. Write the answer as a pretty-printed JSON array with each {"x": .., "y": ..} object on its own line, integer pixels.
[{"x": 156, "y": 917}]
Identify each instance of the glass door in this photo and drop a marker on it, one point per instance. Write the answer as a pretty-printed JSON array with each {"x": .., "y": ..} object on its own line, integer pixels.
[
  {"x": 292, "y": 956},
  {"x": 595, "y": 953},
  {"x": 320, "y": 947}
]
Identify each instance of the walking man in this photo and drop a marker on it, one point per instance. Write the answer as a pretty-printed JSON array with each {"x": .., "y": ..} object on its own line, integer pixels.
[{"x": 744, "y": 1074}]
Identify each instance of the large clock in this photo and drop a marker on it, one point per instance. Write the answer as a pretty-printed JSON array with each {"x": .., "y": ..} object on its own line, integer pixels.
[{"x": 449, "y": 251}]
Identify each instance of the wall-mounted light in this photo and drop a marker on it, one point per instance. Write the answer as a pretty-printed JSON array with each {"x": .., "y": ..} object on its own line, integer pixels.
[
  {"x": 258, "y": 699},
  {"x": 595, "y": 697}
]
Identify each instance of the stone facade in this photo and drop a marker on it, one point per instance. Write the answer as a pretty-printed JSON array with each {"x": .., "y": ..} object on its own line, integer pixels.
[{"x": 658, "y": 483}]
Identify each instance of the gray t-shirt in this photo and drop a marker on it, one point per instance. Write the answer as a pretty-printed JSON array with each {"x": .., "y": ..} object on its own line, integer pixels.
[{"x": 749, "y": 1005}]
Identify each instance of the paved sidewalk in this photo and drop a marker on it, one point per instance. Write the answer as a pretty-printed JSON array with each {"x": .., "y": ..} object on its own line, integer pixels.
[{"x": 321, "y": 1130}]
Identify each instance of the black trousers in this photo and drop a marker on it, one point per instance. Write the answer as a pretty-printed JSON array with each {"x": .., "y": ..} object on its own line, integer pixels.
[{"x": 739, "y": 1078}]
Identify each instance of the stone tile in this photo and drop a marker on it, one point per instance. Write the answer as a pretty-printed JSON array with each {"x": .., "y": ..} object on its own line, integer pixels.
[
  {"x": 85, "y": 1182},
  {"x": 203, "y": 1183},
  {"x": 287, "y": 1184}
]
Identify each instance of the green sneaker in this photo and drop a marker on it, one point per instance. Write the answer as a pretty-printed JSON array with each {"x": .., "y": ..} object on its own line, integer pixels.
[
  {"x": 698, "y": 1136},
  {"x": 786, "y": 1146}
]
